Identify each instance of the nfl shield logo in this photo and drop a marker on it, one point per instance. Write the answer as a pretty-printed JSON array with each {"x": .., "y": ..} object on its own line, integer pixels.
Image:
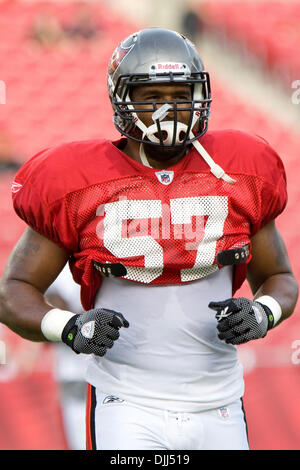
[
  {"x": 224, "y": 412},
  {"x": 165, "y": 177}
]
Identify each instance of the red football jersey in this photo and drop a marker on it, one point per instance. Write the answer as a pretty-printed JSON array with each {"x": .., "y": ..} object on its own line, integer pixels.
[{"x": 166, "y": 226}]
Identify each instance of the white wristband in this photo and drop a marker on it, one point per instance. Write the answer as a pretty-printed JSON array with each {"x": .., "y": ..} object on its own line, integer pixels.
[
  {"x": 273, "y": 305},
  {"x": 53, "y": 323}
]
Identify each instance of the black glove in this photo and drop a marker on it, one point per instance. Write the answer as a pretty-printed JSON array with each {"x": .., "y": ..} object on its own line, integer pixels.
[
  {"x": 241, "y": 320},
  {"x": 93, "y": 331}
]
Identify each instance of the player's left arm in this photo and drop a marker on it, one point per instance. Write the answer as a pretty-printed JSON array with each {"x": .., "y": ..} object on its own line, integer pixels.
[
  {"x": 274, "y": 288},
  {"x": 269, "y": 271}
]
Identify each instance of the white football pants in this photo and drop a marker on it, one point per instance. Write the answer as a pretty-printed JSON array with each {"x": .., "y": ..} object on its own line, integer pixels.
[{"x": 113, "y": 424}]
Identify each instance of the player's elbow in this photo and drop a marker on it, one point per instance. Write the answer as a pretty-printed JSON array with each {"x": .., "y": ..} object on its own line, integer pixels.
[
  {"x": 293, "y": 288},
  {"x": 13, "y": 299},
  {"x": 287, "y": 289},
  {"x": 3, "y": 300}
]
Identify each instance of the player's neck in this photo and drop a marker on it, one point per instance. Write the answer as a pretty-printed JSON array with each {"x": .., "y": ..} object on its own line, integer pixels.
[{"x": 132, "y": 149}]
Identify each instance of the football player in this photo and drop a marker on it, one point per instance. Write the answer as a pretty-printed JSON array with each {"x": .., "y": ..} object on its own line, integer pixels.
[{"x": 160, "y": 229}]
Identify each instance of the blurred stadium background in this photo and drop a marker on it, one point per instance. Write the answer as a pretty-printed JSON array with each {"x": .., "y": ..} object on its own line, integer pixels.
[{"x": 53, "y": 60}]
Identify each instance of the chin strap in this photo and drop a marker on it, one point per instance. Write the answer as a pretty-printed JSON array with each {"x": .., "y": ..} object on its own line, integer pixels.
[
  {"x": 143, "y": 157},
  {"x": 216, "y": 170},
  {"x": 181, "y": 128}
]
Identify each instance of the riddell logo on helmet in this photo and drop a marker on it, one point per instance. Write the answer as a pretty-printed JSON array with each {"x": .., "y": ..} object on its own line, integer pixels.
[{"x": 168, "y": 66}]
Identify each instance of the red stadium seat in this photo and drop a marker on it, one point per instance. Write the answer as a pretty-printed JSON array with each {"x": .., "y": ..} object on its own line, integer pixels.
[{"x": 268, "y": 29}]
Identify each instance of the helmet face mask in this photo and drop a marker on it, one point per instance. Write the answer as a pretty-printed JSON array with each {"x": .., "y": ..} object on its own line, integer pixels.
[{"x": 159, "y": 57}]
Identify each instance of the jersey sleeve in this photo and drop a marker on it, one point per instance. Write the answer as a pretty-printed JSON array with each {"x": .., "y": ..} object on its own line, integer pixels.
[
  {"x": 273, "y": 195},
  {"x": 39, "y": 198}
]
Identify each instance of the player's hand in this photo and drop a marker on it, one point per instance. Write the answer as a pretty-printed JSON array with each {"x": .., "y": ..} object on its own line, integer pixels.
[
  {"x": 94, "y": 331},
  {"x": 241, "y": 320}
]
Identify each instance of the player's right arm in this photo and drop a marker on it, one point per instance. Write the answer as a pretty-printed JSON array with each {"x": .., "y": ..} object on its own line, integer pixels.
[{"x": 33, "y": 265}]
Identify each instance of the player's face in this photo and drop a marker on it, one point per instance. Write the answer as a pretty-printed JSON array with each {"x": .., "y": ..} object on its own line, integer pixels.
[{"x": 164, "y": 93}]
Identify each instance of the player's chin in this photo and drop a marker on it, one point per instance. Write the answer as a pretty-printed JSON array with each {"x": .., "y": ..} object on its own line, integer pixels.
[{"x": 164, "y": 152}]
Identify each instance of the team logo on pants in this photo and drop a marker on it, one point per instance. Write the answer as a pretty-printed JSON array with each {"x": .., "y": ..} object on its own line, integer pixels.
[
  {"x": 224, "y": 412},
  {"x": 112, "y": 399}
]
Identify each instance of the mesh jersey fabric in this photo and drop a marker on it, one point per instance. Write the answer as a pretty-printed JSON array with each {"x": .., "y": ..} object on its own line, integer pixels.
[{"x": 98, "y": 204}]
